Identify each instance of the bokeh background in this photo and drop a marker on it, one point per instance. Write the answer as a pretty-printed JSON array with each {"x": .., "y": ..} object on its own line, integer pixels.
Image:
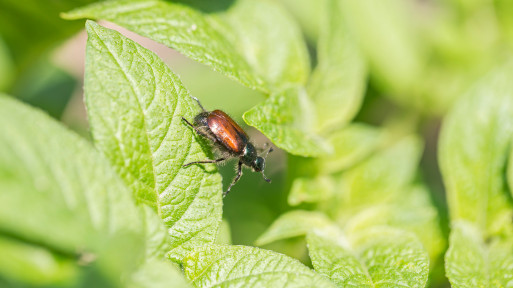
[{"x": 423, "y": 54}]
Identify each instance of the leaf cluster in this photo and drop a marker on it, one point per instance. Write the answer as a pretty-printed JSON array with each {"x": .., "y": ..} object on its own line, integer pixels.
[{"x": 121, "y": 210}]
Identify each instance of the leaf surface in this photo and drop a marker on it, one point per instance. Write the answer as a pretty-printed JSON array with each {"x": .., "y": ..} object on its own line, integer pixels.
[
  {"x": 338, "y": 82},
  {"x": 292, "y": 224},
  {"x": 396, "y": 61},
  {"x": 470, "y": 262},
  {"x": 241, "y": 266},
  {"x": 351, "y": 145},
  {"x": 287, "y": 119},
  {"x": 382, "y": 177},
  {"x": 474, "y": 147},
  {"x": 413, "y": 211},
  {"x": 268, "y": 39},
  {"x": 378, "y": 257},
  {"x": 61, "y": 201},
  {"x": 72, "y": 194},
  {"x": 235, "y": 42},
  {"x": 135, "y": 108}
]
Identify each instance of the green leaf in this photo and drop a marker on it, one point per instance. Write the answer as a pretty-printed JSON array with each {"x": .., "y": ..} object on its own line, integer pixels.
[
  {"x": 268, "y": 39},
  {"x": 72, "y": 195},
  {"x": 308, "y": 14},
  {"x": 40, "y": 20},
  {"x": 381, "y": 178},
  {"x": 311, "y": 190},
  {"x": 156, "y": 236},
  {"x": 351, "y": 145},
  {"x": 159, "y": 274},
  {"x": 240, "y": 266},
  {"x": 235, "y": 43},
  {"x": 388, "y": 41},
  {"x": 338, "y": 83},
  {"x": 470, "y": 262},
  {"x": 379, "y": 257},
  {"x": 47, "y": 87},
  {"x": 286, "y": 119},
  {"x": 61, "y": 201},
  {"x": 292, "y": 224},
  {"x": 474, "y": 147},
  {"x": 26, "y": 263},
  {"x": 413, "y": 211},
  {"x": 135, "y": 104},
  {"x": 224, "y": 236},
  {"x": 337, "y": 262}
]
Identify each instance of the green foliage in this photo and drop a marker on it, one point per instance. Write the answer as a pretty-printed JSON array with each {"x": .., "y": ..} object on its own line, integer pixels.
[
  {"x": 472, "y": 263},
  {"x": 32, "y": 27},
  {"x": 378, "y": 257},
  {"x": 338, "y": 81},
  {"x": 263, "y": 52},
  {"x": 290, "y": 129},
  {"x": 473, "y": 154},
  {"x": 135, "y": 104},
  {"x": 267, "y": 45},
  {"x": 356, "y": 106},
  {"x": 234, "y": 266},
  {"x": 72, "y": 209}
]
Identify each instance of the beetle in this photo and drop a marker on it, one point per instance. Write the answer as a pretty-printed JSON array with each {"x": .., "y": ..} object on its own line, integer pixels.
[{"x": 230, "y": 140}]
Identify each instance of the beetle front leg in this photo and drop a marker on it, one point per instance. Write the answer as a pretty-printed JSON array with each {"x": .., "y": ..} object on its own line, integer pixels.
[{"x": 239, "y": 174}]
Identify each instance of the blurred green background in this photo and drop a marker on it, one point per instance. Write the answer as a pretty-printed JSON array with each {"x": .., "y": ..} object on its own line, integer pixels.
[{"x": 422, "y": 54}]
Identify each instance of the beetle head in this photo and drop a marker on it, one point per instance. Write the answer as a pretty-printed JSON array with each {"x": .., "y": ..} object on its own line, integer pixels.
[{"x": 259, "y": 164}]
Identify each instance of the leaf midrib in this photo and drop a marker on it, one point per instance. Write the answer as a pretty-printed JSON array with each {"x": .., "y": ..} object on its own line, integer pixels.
[{"x": 133, "y": 88}]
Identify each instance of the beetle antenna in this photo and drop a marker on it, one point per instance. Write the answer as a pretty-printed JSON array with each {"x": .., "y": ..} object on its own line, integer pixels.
[
  {"x": 265, "y": 157},
  {"x": 197, "y": 100}
]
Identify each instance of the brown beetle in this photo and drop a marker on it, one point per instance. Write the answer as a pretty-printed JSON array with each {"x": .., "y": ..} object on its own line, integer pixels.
[{"x": 230, "y": 139}]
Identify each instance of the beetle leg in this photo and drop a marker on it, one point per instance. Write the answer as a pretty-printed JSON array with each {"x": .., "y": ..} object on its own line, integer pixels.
[
  {"x": 200, "y": 132},
  {"x": 239, "y": 173},
  {"x": 204, "y": 162},
  {"x": 189, "y": 123}
]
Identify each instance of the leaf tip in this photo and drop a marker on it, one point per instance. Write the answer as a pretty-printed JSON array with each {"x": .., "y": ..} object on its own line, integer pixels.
[{"x": 91, "y": 26}]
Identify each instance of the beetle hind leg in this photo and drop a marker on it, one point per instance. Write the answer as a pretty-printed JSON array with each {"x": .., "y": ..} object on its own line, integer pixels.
[{"x": 201, "y": 131}]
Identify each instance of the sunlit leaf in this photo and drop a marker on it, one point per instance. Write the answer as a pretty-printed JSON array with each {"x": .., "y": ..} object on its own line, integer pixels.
[
  {"x": 240, "y": 266},
  {"x": 470, "y": 262},
  {"x": 286, "y": 118},
  {"x": 474, "y": 148},
  {"x": 378, "y": 257},
  {"x": 351, "y": 145},
  {"x": 52, "y": 174},
  {"x": 382, "y": 177},
  {"x": 413, "y": 211},
  {"x": 253, "y": 42},
  {"x": 292, "y": 224},
  {"x": 268, "y": 39},
  {"x": 135, "y": 104},
  {"x": 311, "y": 190},
  {"x": 338, "y": 82},
  {"x": 388, "y": 42}
]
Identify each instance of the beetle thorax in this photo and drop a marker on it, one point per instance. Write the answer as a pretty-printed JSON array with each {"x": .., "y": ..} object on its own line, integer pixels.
[{"x": 249, "y": 155}]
